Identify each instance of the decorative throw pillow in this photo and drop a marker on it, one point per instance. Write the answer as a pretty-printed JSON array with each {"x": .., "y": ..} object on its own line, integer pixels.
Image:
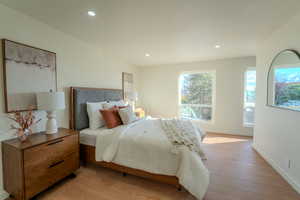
[
  {"x": 111, "y": 117},
  {"x": 95, "y": 118},
  {"x": 120, "y": 107},
  {"x": 127, "y": 115},
  {"x": 111, "y": 104}
]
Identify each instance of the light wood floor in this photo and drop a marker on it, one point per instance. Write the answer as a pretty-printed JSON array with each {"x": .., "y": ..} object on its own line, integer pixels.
[{"x": 237, "y": 173}]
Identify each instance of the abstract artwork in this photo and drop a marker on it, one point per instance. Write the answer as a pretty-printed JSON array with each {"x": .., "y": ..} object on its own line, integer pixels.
[{"x": 27, "y": 71}]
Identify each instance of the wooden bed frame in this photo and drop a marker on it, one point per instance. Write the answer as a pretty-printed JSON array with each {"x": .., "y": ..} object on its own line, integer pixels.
[{"x": 87, "y": 153}]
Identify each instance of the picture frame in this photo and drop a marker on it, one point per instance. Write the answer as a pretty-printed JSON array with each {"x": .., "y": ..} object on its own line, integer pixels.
[
  {"x": 27, "y": 70},
  {"x": 127, "y": 85}
]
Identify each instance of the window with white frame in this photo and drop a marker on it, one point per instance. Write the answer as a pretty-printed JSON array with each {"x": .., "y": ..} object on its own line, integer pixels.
[
  {"x": 249, "y": 97},
  {"x": 196, "y": 95}
]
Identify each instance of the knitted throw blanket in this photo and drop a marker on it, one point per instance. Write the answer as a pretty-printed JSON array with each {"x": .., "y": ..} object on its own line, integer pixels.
[{"x": 183, "y": 133}]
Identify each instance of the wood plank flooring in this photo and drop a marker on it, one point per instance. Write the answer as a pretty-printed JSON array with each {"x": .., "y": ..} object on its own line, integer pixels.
[{"x": 237, "y": 173}]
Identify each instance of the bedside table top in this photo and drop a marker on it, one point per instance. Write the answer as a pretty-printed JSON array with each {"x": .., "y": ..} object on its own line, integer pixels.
[{"x": 39, "y": 138}]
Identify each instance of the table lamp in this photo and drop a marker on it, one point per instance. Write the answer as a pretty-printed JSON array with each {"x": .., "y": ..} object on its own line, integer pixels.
[
  {"x": 50, "y": 102},
  {"x": 133, "y": 97}
]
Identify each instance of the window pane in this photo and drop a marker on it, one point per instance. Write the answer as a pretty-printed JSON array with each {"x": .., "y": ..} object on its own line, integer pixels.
[
  {"x": 287, "y": 87},
  {"x": 250, "y": 87},
  {"x": 197, "y": 88},
  {"x": 196, "y": 112},
  {"x": 196, "y": 95},
  {"x": 249, "y": 97}
]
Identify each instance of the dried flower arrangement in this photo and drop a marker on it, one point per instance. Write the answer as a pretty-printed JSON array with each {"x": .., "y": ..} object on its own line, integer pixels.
[{"x": 24, "y": 120}]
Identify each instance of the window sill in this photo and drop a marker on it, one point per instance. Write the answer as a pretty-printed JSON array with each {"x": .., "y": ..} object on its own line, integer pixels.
[
  {"x": 203, "y": 121},
  {"x": 249, "y": 125},
  {"x": 199, "y": 120}
]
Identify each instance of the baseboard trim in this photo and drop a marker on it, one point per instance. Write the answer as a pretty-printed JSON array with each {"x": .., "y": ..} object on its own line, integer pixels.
[
  {"x": 3, "y": 195},
  {"x": 229, "y": 135},
  {"x": 277, "y": 168}
]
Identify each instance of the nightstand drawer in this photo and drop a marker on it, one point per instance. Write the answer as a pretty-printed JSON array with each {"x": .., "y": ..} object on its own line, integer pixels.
[
  {"x": 39, "y": 178},
  {"x": 50, "y": 152}
]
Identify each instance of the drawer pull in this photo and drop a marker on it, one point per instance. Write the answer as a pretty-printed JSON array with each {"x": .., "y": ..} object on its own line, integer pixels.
[
  {"x": 58, "y": 141},
  {"x": 57, "y": 163}
]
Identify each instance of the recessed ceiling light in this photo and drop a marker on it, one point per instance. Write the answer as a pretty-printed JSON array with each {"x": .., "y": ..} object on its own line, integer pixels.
[
  {"x": 92, "y": 13},
  {"x": 218, "y": 46},
  {"x": 147, "y": 55}
]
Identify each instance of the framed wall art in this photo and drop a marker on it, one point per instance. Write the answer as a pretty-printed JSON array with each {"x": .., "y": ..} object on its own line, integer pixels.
[
  {"x": 27, "y": 70},
  {"x": 127, "y": 85}
]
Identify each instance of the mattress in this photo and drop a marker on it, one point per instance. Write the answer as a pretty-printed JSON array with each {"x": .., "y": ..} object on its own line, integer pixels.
[{"x": 89, "y": 136}]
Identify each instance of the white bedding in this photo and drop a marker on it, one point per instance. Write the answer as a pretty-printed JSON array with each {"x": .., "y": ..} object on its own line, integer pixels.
[
  {"x": 167, "y": 167},
  {"x": 143, "y": 145},
  {"x": 89, "y": 136}
]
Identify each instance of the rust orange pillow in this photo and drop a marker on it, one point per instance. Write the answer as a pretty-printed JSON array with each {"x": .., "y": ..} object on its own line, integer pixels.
[
  {"x": 111, "y": 117},
  {"x": 120, "y": 107}
]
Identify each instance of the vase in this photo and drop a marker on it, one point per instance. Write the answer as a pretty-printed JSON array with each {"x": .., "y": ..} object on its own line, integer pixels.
[{"x": 23, "y": 134}]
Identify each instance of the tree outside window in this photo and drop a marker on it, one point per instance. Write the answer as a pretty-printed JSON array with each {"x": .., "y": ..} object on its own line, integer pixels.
[{"x": 196, "y": 92}]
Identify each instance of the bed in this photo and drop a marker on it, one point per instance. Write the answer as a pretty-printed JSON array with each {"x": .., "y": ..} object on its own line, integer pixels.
[{"x": 164, "y": 172}]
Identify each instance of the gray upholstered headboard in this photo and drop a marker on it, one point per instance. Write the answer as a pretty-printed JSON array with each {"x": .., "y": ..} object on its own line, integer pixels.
[{"x": 79, "y": 96}]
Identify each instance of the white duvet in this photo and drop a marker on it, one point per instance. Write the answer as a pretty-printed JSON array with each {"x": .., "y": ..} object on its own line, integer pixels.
[{"x": 143, "y": 145}]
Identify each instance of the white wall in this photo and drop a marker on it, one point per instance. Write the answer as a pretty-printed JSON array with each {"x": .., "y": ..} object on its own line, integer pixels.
[
  {"x": 158, "y": 88},
  {"x": 276, "y": 133},
  {"x": 78, "y": 64}
]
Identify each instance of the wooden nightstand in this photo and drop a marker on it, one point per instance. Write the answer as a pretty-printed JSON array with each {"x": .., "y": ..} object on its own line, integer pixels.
[
  {"x": 39, "y": 162},
  {"x": 139, "y": 112}
]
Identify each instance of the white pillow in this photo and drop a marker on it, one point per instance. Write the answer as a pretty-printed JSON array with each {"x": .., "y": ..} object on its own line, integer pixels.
[
  {"x": 127, "y": 115},
  {"x": 108, "y": 105},
  {"x": 95, "y": 117}
]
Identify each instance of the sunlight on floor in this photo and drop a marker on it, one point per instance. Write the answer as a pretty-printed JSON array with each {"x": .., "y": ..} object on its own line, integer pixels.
[{"x": 220, "y": 140}]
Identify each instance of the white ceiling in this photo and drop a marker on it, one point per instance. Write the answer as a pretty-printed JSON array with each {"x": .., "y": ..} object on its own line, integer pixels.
[{"x": 171, "y": 31}]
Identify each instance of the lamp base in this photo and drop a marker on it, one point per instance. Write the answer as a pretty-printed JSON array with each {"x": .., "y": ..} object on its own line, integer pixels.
[{"x": 51, "y": 126}]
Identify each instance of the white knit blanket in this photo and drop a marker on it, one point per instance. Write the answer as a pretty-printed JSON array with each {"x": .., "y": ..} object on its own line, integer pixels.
[{"x": 183, "y": 133}]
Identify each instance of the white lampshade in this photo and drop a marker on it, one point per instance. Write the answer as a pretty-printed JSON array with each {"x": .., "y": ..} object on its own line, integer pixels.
[
  {"x": 51, "y": 101},
  {"x": 133, "y": 96}
]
